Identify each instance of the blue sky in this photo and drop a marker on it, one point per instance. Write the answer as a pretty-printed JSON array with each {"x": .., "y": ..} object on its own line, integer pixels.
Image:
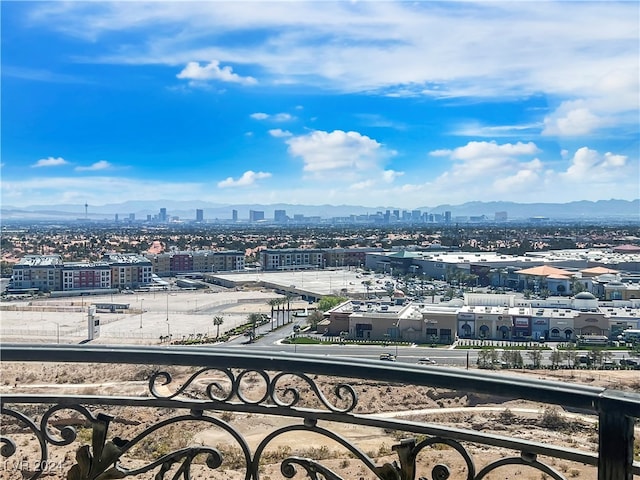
[{"x": 374, "y": 103}]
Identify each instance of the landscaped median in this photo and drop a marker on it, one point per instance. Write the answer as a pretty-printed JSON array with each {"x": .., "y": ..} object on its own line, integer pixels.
[{"x": 317, "y": 340}]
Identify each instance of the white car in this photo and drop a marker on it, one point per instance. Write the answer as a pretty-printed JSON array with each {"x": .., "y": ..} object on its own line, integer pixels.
[{"x": 426, "y": 361}]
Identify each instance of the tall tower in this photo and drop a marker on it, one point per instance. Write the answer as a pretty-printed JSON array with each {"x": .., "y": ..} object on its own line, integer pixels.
[{"x": 86, "y": 214}]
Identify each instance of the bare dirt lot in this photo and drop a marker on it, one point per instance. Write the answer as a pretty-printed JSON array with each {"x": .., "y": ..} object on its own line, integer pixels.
[{"x": 510, "y": 417}]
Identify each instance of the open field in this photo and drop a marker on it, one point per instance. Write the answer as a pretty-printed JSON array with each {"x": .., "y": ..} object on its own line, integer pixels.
[
  {"x": 149, "y": 315},
  {"x": 176, "y": 312}
]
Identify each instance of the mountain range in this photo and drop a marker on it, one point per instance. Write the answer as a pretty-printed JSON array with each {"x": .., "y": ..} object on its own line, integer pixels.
[{"x": 185, "y": 210}]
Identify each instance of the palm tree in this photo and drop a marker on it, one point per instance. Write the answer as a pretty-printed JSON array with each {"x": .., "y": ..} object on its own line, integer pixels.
[
  {"x": 367, "y": 286},
  {"x": 217, "y": 321},
  {"x": 273, "y": 303},
  {"x": 254, "y": 318},
  {"x": 281, "y": 302},
  {"x": 288, "y": 300}
]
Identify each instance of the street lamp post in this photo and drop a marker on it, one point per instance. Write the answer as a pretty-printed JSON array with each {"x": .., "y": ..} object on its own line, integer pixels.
[
  {"x": 141, "y": 311},
  {"x": 168, "y": 324},
  {"x": 57, "y": 332}
]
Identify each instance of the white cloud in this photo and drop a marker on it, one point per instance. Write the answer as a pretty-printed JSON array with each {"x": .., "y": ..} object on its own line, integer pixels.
[
  {"x": 478, "y": 160},
  {"x": 521, "y": 180},
  {"x": 278, "y": 133},
  {"x": 212, "y": 71},
  {"x": 338, "y": 150},
  {"x": 379, "y": 121},
  {"x": 588, "y": 164},
  {"x": 572, "y": 119},
  {"x": 475, "y": 129},
  {"x": 586, "y": 175},
  {"x": 281, "y": 117},
  {"x": 50, "y": 162},
  {"x": 421, "y": 48},
  {"x": 278, "y": 117},
  {"x": 53, "y": 190},
  {"x": 478, "y": 150},
  {"x": 443, "y": 152},
  {"x": 364, "y": 185},
  {"x": 100, "y": 165},
  {"x": 389, "y": 176},
  {"x": 248, "y": 178}
]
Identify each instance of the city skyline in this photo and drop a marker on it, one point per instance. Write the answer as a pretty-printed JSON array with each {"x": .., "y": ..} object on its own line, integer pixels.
[{"x": 360, "y": 103}]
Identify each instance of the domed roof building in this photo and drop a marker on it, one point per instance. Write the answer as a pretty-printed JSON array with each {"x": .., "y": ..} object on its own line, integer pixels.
[
  {"x": 585, "y": 296},
  {"x": 584, "y": 301}
]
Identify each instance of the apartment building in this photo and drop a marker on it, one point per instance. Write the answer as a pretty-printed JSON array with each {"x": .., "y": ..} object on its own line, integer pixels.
[
  {"x": 291, "y": 259},
  {"x": 344, "y": 257},
  {"x": 196, "y": 261},
  {"x": 302, "y": 258},
  {"x": 86, "y": 276},
  {"x": 48, "y": 273},
  {"x": 37, "y": 273},
  {"x": 129, "y": 270}
]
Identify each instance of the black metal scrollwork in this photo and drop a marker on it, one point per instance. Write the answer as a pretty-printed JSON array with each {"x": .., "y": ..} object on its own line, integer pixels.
[
  {"x": 9, "y": 446},
  {"x": 527, "y": 459},
  {"x": 343, "y": 392},
  {"x": 314, "y": 470},
  {"x": 290, "y": 396},
  {"x": 215, "y": 390}
]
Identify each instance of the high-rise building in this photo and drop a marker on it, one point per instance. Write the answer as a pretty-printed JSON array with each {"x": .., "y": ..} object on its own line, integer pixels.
[
  {"x": 199, "y": 215},
  {"x": 280, "y": 216},
  {"x": 163, "y": 215},
  {"x": 116, "y": 218},
  {"x": 256, "y": 215},
  {"x": 447, "y": 216},
  {"x": 501, "y": 216},
  {"x": 234, "y": 215}
]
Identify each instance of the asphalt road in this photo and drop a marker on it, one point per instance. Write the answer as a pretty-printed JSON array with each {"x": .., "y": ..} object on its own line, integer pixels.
[{"x": 444, "y": 356}]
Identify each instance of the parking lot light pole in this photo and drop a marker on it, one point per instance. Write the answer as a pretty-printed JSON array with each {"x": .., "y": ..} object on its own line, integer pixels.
[
  {"x": 141, "y": 312},
  {"x": 57, "y": 332}
]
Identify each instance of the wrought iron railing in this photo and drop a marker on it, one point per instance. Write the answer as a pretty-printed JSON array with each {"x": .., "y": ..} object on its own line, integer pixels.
[{"x": 218, "y": 386}]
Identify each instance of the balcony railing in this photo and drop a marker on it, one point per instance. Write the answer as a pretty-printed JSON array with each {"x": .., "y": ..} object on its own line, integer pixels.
[{"x": 218, "y": 386}]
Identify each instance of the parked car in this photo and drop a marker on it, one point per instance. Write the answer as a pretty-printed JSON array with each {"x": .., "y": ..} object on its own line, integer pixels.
[
  {"x": 629, "y": 362},
  {"x": 389, "y": 357}
]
